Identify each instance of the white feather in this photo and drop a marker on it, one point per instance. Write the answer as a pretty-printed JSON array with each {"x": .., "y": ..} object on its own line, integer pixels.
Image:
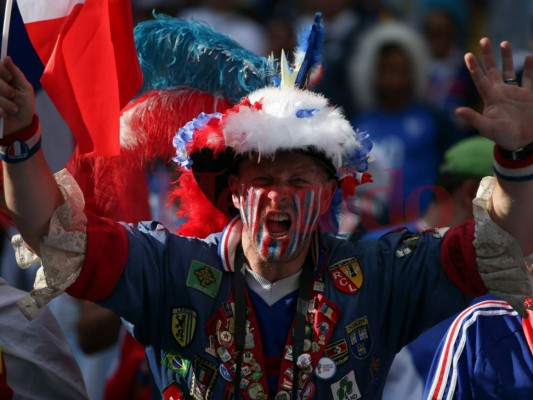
[{"x": 275, "y": 125}]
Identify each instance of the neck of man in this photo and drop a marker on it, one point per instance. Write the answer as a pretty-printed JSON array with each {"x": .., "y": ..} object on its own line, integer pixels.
[{"x": 272, "y": 270}]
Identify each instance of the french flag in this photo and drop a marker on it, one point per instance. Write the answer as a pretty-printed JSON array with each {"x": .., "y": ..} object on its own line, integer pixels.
[{"x": 91, "y": 70}]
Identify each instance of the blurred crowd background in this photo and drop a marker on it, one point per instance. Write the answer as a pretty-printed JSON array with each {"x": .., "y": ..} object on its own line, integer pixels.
[{"x": 396, "y": 69}]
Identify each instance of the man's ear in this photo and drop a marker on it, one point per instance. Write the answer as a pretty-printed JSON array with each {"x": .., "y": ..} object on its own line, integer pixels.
[{"x": 233, "y": 183}]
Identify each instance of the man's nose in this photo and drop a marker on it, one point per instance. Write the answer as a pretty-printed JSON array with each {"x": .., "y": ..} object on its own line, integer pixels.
[{"x": 279, "y": 195}]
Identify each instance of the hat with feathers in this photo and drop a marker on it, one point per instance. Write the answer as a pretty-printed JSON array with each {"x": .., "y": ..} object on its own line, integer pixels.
[{"x": 216, "y": 101}]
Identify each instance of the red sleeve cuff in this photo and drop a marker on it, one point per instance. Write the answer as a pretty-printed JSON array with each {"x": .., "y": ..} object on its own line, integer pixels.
[
  {"x": 458, "y": 259},
  {"x": 105, "y": 259}
]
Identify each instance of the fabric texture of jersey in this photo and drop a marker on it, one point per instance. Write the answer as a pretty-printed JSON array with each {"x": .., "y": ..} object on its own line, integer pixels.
[
  {"x": 371, "y": 299},
  {"x": 484, "y": 355}
]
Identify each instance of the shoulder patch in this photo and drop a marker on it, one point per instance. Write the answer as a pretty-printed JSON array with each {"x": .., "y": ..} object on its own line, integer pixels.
[
  {"x": 183, "y": 325},
  {"x": 347, "y": 275},
  {"x": 407, "y": 245},
  {"x": 204, "y": 278}
]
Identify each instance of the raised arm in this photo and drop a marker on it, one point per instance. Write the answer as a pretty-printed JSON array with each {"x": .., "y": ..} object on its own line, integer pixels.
[
  {"x": 507, "y": 119},
  {"x": 31, "y": 192}
]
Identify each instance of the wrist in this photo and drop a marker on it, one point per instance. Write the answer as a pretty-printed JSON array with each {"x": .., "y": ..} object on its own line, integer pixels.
[
  {"x": 514, "y": 165},
  {"x": 519, "y": 154},
  {"x": 21, "y": 145}
]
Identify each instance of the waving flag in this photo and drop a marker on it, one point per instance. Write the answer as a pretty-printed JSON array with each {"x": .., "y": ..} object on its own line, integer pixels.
[{"x": 91, "y": 68}]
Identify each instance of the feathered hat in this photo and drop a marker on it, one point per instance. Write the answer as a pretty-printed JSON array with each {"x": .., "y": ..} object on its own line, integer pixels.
[
  {"x": 283, "y": 116},
  {"x": 236, "y": 104}
]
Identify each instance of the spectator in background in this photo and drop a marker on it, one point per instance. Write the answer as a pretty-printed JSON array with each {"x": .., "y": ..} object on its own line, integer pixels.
[
  {"x": 225, "y": 16},
  {"x": 35, "y": 360},
  {"x": 450, "y": 84},
  {"x": 343, "y": 27},
  {"x": 389, "y": 78},
  {"x": 465, "y": 164},
  {"x": 486, "y": 354}
]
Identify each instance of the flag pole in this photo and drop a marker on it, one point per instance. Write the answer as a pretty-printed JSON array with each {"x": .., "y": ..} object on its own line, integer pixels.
[{"x": 5, "y": 39}]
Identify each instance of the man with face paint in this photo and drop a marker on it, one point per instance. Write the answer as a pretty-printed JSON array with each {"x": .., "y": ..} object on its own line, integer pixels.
[{"x": 268, "y": 306}]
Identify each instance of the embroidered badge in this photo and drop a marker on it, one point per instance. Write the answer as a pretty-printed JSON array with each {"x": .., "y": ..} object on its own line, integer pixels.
[
  {"x": 347, "y": 275},
  {"x": 172, "y": 392},
  {"x": 359, "y": 338},
  {"x": 407, "y": 246},
  {"x": 346, "y": 388},
  {"x": 176, "y": 363},
  {"x": 375, "y": 367},
  {"x": 183, "y": 325},
  {"x": 204, "y": 278},
  {"x": 338, "y": 351},
  {"x": 204, "y": 376}
]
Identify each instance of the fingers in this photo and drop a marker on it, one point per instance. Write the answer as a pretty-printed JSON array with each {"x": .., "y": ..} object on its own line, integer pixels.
[
  {"x": 508, "y": 71},
  {"x": 489, "y": 61},
  {"x": 483, "y": 85},
  {"x": 18, "y": 79},
  {"x": 7, "y": 92},
  {"x": 527, "y": 73},
  {"x": 474, "y": 119}
]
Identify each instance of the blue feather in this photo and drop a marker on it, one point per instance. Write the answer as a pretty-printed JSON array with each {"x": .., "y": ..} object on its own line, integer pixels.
[
  {"x": 175, "y": 52},
  {"x": 311, "y": 43}
]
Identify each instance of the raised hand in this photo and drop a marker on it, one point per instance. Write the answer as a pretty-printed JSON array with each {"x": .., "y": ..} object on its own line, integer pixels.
[
  {"x": 17, "y": 104},
  {"x": 507, "y": 116}
]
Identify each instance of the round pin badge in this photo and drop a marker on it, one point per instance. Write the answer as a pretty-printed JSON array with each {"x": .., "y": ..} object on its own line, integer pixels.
[
  {"x": 283, "y": 395},
  {"x": 325, "y": 368},
  {"x": 308, "y": 391},
  {"x": 255, "y": 391},
  {"x": 225, "y": 338},
  {"x": 225, "y": 373},
  {"x": 303, "y": 361}
]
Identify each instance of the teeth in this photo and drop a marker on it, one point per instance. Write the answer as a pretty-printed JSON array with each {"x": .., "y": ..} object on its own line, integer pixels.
[{"x": 280, "y": 217}]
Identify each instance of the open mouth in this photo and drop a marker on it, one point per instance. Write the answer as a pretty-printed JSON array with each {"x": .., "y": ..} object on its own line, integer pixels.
[{"x": 278, "y": 224}]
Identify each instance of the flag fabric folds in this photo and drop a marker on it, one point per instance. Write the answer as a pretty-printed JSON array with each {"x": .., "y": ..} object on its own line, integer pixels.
[{"x": 91, "y": 69}]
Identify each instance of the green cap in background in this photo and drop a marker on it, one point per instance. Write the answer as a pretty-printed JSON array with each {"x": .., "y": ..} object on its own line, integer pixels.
[{"x": 471, "y": 156}]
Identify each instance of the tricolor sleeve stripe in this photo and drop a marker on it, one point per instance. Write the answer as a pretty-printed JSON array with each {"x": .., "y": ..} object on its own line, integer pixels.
[
  {"x": 512, "y": 170},
  {"x": 43, "y": 10},
  {"x": 445, "y": 380}
]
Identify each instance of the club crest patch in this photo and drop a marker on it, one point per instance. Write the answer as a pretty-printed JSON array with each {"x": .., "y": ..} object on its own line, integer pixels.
[
  {"x": 359, "y": 338},
  {"x": 347, "y": 275},
  {"x": 183, "y": 325},
  {"x": 204, "y": 278}
]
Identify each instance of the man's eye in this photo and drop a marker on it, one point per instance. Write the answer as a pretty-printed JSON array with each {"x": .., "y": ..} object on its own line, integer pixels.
[
  {"x": 299, "y": 182},
  {"x": 262, "y": 181}
]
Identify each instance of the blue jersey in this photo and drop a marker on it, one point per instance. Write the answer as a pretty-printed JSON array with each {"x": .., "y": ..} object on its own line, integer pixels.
[
  {"x": 484, "y": 356},
  {"x": 367, "y": 301}
]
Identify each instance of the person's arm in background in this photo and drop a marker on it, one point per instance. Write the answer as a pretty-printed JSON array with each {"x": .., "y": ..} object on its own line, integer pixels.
[
  {"x": 31, "y": 192},
  {"x": 507, "y": 119}
]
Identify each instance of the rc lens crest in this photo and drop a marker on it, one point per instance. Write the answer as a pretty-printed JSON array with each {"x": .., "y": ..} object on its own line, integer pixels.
[
  {"x": 183, "y": 325},
  {"x": 347, "y": 275}
]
